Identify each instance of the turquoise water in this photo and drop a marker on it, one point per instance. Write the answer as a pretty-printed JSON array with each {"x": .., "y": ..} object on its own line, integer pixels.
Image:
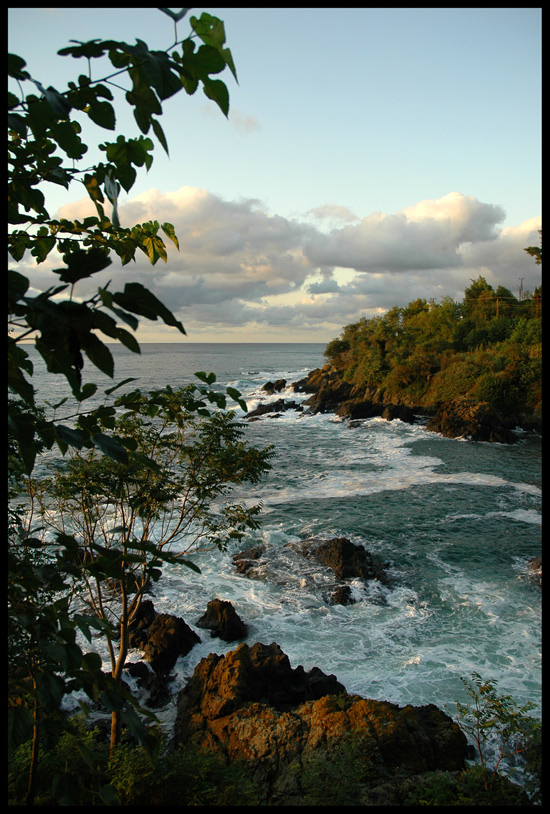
[{"x": 456, "y": 522}]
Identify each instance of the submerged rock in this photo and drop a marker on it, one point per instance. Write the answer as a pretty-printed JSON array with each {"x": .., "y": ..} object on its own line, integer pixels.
[
  {"x": 251, "y": 705},
  {"x": 246, "y": 562}
]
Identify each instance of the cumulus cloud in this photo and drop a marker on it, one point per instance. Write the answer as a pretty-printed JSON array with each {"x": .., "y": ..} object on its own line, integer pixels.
[
  {"x": 427, "y": 235},
  {"x": 240, "y": 265}
]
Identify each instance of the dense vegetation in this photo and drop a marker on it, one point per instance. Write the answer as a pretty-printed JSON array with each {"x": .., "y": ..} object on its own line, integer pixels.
[{"x": 487, "y": 348}]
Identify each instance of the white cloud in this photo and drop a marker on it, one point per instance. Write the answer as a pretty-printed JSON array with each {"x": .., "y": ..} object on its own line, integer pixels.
[
  {"x": 427, "y": 235},
  {"x": 242, "y": 269}
]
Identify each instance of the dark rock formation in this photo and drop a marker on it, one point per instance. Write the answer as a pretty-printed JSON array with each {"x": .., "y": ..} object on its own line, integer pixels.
[
  {"x": 346, "y": 559},
  {"x": 278, "y": 406},
  {"x": 274, "y": 387},
  {"x": 139, "y": 627},
  {"x": 330, "y": 393},
  {"x": 246, "y": 561},
  {"x": 223, "y": 621},
  {"x": 169, "y": 637},
  {"x": 477, "y": 421},
  {"x": 157, "y": 684},
  {"x": 535, "y": 570},
  {"x": 252, "y": 705},
  {"x": 342, "y": 596}
]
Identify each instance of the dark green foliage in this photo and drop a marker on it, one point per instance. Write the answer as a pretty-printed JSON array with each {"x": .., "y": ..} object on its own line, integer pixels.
[
  {"x": 45, "y": 143},
  {"x": 487, "y": 348},
  {"x": 78, "y": 771}
]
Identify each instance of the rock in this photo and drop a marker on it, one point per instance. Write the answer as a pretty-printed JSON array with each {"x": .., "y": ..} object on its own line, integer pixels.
[
  {"x": 278, "y": 406},
  {"x": 398, "y": 411},
  {"x": 245, "y": 561},
  {"x": 477, "y": 421},
  {"x": 157, "y": 684},
  {"x": 274, "y": 387},
  {"x": 342, "y": 596},
  {"x": 223, "y": 621},
  {"x": 251, "y": 705},
  {"x": 346, "y": 559},
  {"x": 535, "y": 569},
  {"x": 139, "y": 627},
  {"x": 359, "y": 408},
  {"x": 169, "y": 637}
]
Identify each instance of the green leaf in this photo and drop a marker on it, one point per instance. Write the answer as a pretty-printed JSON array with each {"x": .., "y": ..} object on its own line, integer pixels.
[
  {"x": 69, "y": 437},
  {"x": 175, "y": 15},
  {"x": 19, "y": 725},
  {"x": 82, "y": 263},
  {"x": 139, "y": 300},
  {"x": 216, "y": 90},
  {"x": 159, "y": 133},
  {"x": 15, "y": 67},
  {"x": 108, "y": 795},
  {"x": 120, "y": 384},
  {"x": 50, "y": 690},
  {"x": 208, "y": 378},
  {"x": 110, "y": 446},
  {"x": 103, "y": 114},
  {"x": 169, "y": 231}
]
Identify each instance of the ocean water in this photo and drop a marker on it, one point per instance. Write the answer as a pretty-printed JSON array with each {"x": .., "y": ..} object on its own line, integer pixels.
[{"x": 456, "y": 522}]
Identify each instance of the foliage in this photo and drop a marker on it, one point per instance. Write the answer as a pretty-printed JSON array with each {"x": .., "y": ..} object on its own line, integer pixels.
[
  {"x": 46, "y": 146},
  {"x": 85, "y": 775},
  {"x": 487, "y": 348},
  {"x": 466, "y": 788},
  {"x": 500, "y": 728},
  {"x": 125, "y": 521},
  {"x": 536, "y": 251},
  {"x": 335, "y": 779}
]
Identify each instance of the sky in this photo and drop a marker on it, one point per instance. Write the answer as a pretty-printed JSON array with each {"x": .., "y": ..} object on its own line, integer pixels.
[{"x": 371, "y": 156}]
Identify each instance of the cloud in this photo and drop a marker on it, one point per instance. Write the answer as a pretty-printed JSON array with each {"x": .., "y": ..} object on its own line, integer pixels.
[
  {"x": 246, "y": 271},
  {"x": 427, "y": 235},
  {"x": 333, "y": 212},
  {"x": 244, "y": 124}
]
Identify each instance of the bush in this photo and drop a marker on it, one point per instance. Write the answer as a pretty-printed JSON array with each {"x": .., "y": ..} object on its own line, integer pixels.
[{"x": 79, "y": 772}]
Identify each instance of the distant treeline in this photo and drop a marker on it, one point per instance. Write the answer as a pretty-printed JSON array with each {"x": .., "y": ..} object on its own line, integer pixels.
[{"x": 487, "y": 348}]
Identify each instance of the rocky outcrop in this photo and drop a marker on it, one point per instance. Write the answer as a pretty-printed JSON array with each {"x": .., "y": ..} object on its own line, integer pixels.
[
  {"x": 251, "y": 705},
  {"x": 476, "y": 421},
  {"x": 331, "y": 394},
  {"x": 346, "y": 559},
  {"x": 246, "y": 562},
  {"x": 535, "y": 570},
  {"x": 223, "y": 621},
  {"x": 163, "y": 638},
  {"x": 459, "y": 418},
  {"x": 279, "y": 406},
  {"x": 274, "y": 387}
]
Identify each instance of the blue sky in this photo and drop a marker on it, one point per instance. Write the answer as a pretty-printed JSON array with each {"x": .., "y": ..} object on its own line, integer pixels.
[{"x": 371, "y": 156}]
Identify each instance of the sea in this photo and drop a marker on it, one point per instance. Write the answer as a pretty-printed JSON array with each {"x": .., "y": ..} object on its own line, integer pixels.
[{"x": 456, "y": 523}]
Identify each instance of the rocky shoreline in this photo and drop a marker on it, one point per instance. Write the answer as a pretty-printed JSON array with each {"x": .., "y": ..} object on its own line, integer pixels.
[
  {"x": 458, "y": 418},
  {"x": 287, "y": 727}
]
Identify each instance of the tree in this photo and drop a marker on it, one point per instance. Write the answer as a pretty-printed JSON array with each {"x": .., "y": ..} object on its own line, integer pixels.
[
  {"x": 496, "y": 720},
  {"x": 536, "y": 251},
  {"x": 45, "y": 144},
  {"x": 130, "y": 519}
]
